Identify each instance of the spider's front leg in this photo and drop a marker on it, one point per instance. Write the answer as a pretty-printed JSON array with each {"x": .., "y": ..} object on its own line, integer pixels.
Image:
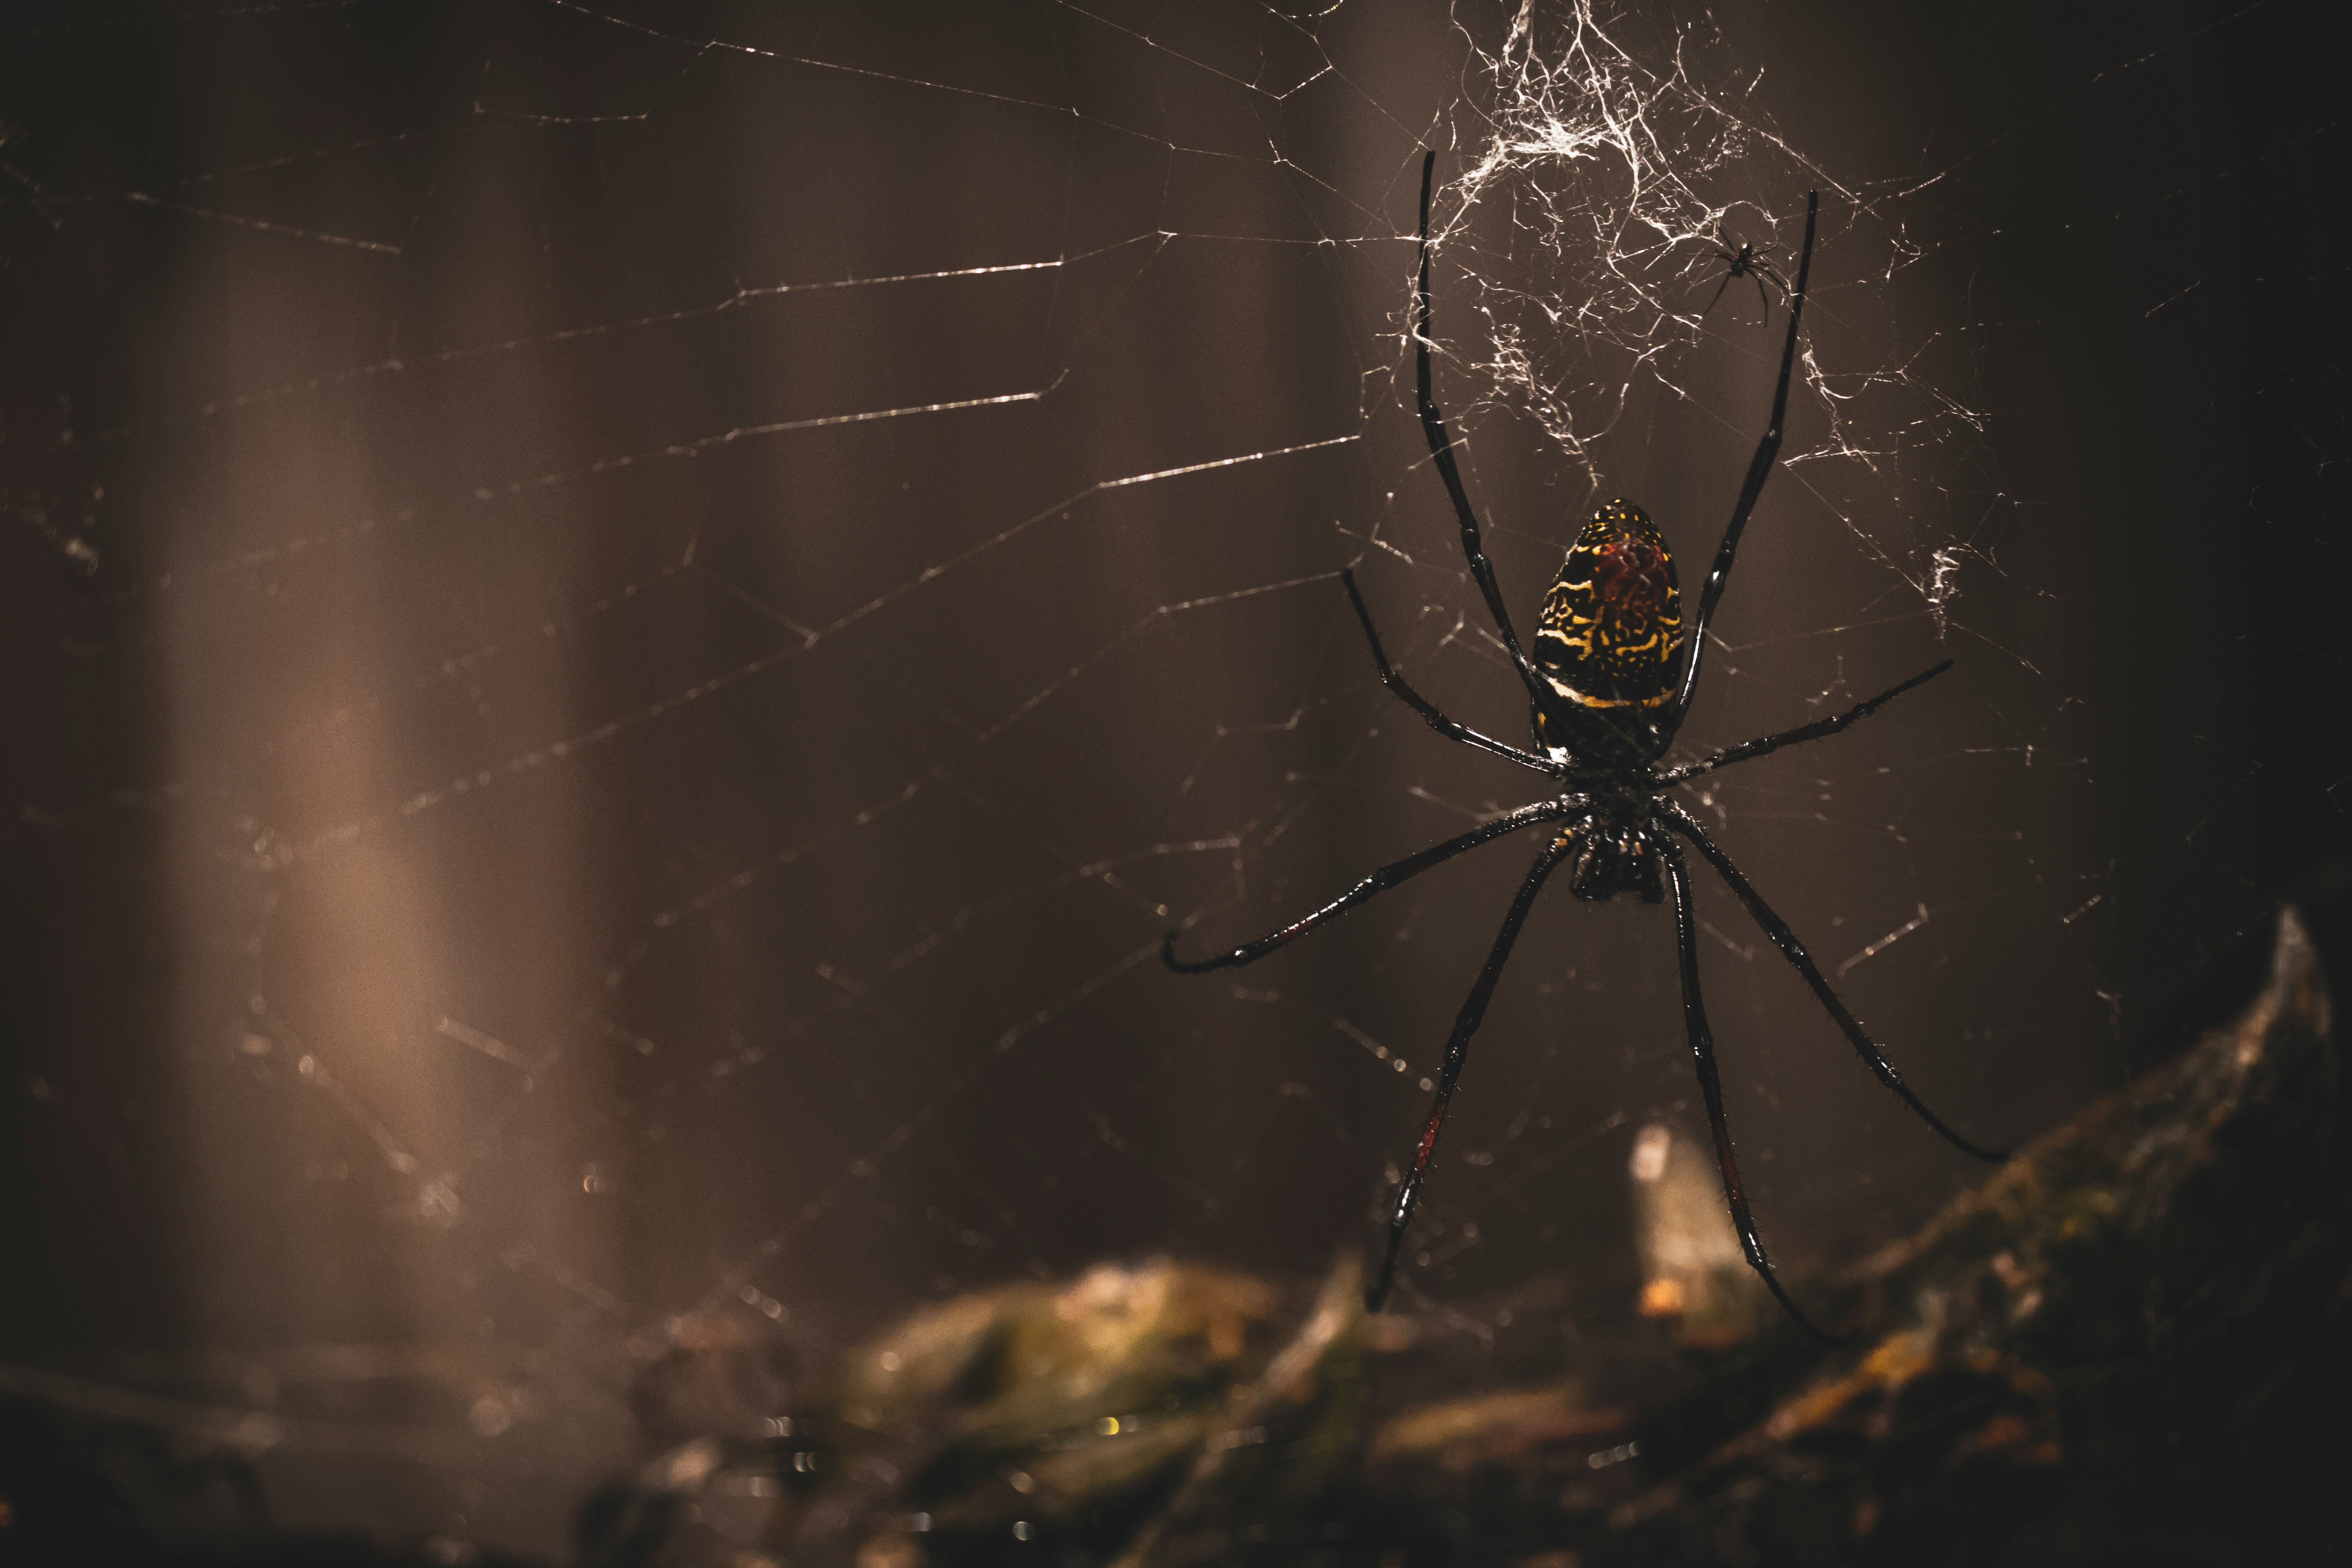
[
  {"x": 1441, "y": 452},
  {"x": 1759, "y": 468}
]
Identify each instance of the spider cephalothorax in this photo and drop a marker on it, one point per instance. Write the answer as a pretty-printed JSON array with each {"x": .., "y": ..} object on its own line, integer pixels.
[
  {"x": 1613, "y": 857},
  {"x": 1612, "y": 677}
]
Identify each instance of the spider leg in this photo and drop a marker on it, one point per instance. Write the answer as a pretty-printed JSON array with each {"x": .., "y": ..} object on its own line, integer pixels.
[
  {"x": 1378, "y": 882},
  {"x": 1457, "y": 1048},
  {"x": 1424, "y": 706},
  {"x": 1760, "y": 467},
  {"x": 1441, "y": 448},
  {"x": 1719, "y": 287},
  {"x": 1812, "y": 732},
  {"x": 1762, "y": 299},
  {"x": 1774, "y": 927},
  {"x": 1710, "y": 1088}
]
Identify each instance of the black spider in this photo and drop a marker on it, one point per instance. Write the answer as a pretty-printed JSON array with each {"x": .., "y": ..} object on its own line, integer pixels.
[
  {"x": 1606, "y": 704},
  {"x": 1747, "y": 263}
]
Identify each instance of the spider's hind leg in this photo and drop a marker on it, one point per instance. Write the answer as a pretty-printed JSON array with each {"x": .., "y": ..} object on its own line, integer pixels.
[
  {"x": 1710, "y": 1084},
  {"x": 1457, "y": 1050},
  {"x": 1777, "y": 931}
]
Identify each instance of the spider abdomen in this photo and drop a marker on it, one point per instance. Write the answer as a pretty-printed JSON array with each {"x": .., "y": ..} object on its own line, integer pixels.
[{"x": 1611, "y": 635}]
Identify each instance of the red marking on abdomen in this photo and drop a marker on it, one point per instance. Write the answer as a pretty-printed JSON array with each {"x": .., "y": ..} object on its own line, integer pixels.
[{"x": 1630, "y": 576}]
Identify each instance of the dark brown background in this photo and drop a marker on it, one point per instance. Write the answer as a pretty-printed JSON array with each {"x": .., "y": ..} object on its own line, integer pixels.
[{"x": 394, "y": 663}]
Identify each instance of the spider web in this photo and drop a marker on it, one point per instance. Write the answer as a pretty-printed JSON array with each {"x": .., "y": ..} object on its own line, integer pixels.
[{"x": 630, "y": 621}]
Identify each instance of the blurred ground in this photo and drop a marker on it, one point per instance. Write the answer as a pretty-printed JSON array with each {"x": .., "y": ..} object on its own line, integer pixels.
[{"x": 2118, "y": 1348}]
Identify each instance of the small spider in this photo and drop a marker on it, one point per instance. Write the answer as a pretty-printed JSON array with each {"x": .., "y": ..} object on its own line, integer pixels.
[
  {"x": 1747, "y": 263},
  {"x": 1606, "y": 702}
]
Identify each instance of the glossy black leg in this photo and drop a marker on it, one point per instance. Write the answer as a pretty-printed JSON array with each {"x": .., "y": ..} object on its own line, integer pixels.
[
  {"x": 1378, "y": 882},
  {"x": 1441, "y": 448},
  {"x": 1457, "y": 1048},
  {"x": 1777, "y": 929},
  {"x": 1711, "y": 1087},
  {"x": 1424, "y": 707},
  {"x": 1759, "y": 468},
  {"x": 1812, "y": 732}
]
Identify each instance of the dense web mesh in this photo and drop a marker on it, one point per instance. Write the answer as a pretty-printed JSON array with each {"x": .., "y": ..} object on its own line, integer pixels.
[{"x": 632, "y": 621}]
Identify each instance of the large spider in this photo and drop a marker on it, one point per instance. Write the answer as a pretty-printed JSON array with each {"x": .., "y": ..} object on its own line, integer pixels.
[{"x": 1606, "y": 702}]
